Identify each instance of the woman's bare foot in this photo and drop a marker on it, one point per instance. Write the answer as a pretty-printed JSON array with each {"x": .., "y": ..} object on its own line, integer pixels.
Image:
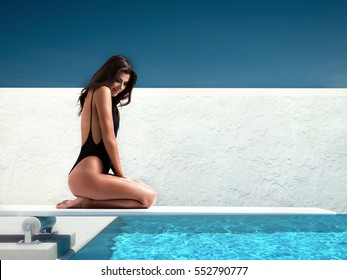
[{"x": 79, "y": 202}]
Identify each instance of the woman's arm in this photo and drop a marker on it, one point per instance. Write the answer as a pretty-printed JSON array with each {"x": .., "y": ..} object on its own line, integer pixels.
[{"x": 103, "y": 102}]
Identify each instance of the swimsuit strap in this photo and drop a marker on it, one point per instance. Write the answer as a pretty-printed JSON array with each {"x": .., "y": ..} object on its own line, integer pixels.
[{"x": 91, "y": 111}]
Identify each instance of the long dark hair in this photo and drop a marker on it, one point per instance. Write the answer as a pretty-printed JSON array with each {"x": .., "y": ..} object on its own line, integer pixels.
[{"x": 106, "y": 75}]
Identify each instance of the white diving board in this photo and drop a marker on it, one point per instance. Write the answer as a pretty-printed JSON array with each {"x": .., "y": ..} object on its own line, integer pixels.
[{"x": 50, "y": 210}]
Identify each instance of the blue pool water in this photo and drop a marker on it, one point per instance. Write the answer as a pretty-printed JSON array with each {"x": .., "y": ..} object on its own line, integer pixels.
[{"x": 250, "y": 237}]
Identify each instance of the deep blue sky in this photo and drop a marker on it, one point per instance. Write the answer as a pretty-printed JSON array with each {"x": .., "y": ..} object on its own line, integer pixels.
[{"x": 215, "y": 43}]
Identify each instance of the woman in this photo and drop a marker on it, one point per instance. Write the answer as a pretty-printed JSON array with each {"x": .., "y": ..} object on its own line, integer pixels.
[{"x": 89, "y": 180}]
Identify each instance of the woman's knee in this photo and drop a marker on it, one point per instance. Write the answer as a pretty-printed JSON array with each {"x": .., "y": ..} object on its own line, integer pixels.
[{"x": 149, "y": 198}]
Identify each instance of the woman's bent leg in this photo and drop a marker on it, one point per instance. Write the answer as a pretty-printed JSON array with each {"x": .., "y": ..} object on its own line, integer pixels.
[
  {"x": 82, "y": 202},
  {"x": 106, "y": 191}
]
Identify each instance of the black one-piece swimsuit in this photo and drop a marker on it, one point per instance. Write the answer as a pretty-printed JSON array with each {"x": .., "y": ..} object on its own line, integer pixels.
[{"x": 89, "y": 148}]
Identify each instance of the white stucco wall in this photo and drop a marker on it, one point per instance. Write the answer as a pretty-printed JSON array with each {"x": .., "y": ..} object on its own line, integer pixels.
[{"x": 215, "y": 147}]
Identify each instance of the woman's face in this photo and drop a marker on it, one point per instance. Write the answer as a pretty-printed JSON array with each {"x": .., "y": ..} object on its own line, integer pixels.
[{"x": 119, "y": 85}]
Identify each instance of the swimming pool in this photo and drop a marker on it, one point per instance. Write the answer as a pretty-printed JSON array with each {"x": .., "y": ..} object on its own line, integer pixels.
[{"x": 225, "y": 237}]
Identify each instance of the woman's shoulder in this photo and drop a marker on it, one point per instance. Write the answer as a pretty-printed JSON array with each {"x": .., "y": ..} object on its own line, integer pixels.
[
  {"x": 103, "y": 90},
  {"x": 103, "y": 95}
]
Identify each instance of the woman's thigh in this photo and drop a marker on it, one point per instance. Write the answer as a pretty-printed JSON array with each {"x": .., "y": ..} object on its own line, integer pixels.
[{"x": 100, "y": 186}]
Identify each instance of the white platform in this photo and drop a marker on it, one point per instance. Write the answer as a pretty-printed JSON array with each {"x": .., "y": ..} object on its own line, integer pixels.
[
  {"x": 50, "y": 210},
  {"x": 42, "y": 251}
]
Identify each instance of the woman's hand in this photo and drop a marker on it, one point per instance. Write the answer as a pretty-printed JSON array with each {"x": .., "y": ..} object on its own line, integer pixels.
[{"x": 127, "y": 178}]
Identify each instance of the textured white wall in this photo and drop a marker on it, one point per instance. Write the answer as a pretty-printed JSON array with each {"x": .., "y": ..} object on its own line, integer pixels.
[{"x": 216, "y": 147}]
